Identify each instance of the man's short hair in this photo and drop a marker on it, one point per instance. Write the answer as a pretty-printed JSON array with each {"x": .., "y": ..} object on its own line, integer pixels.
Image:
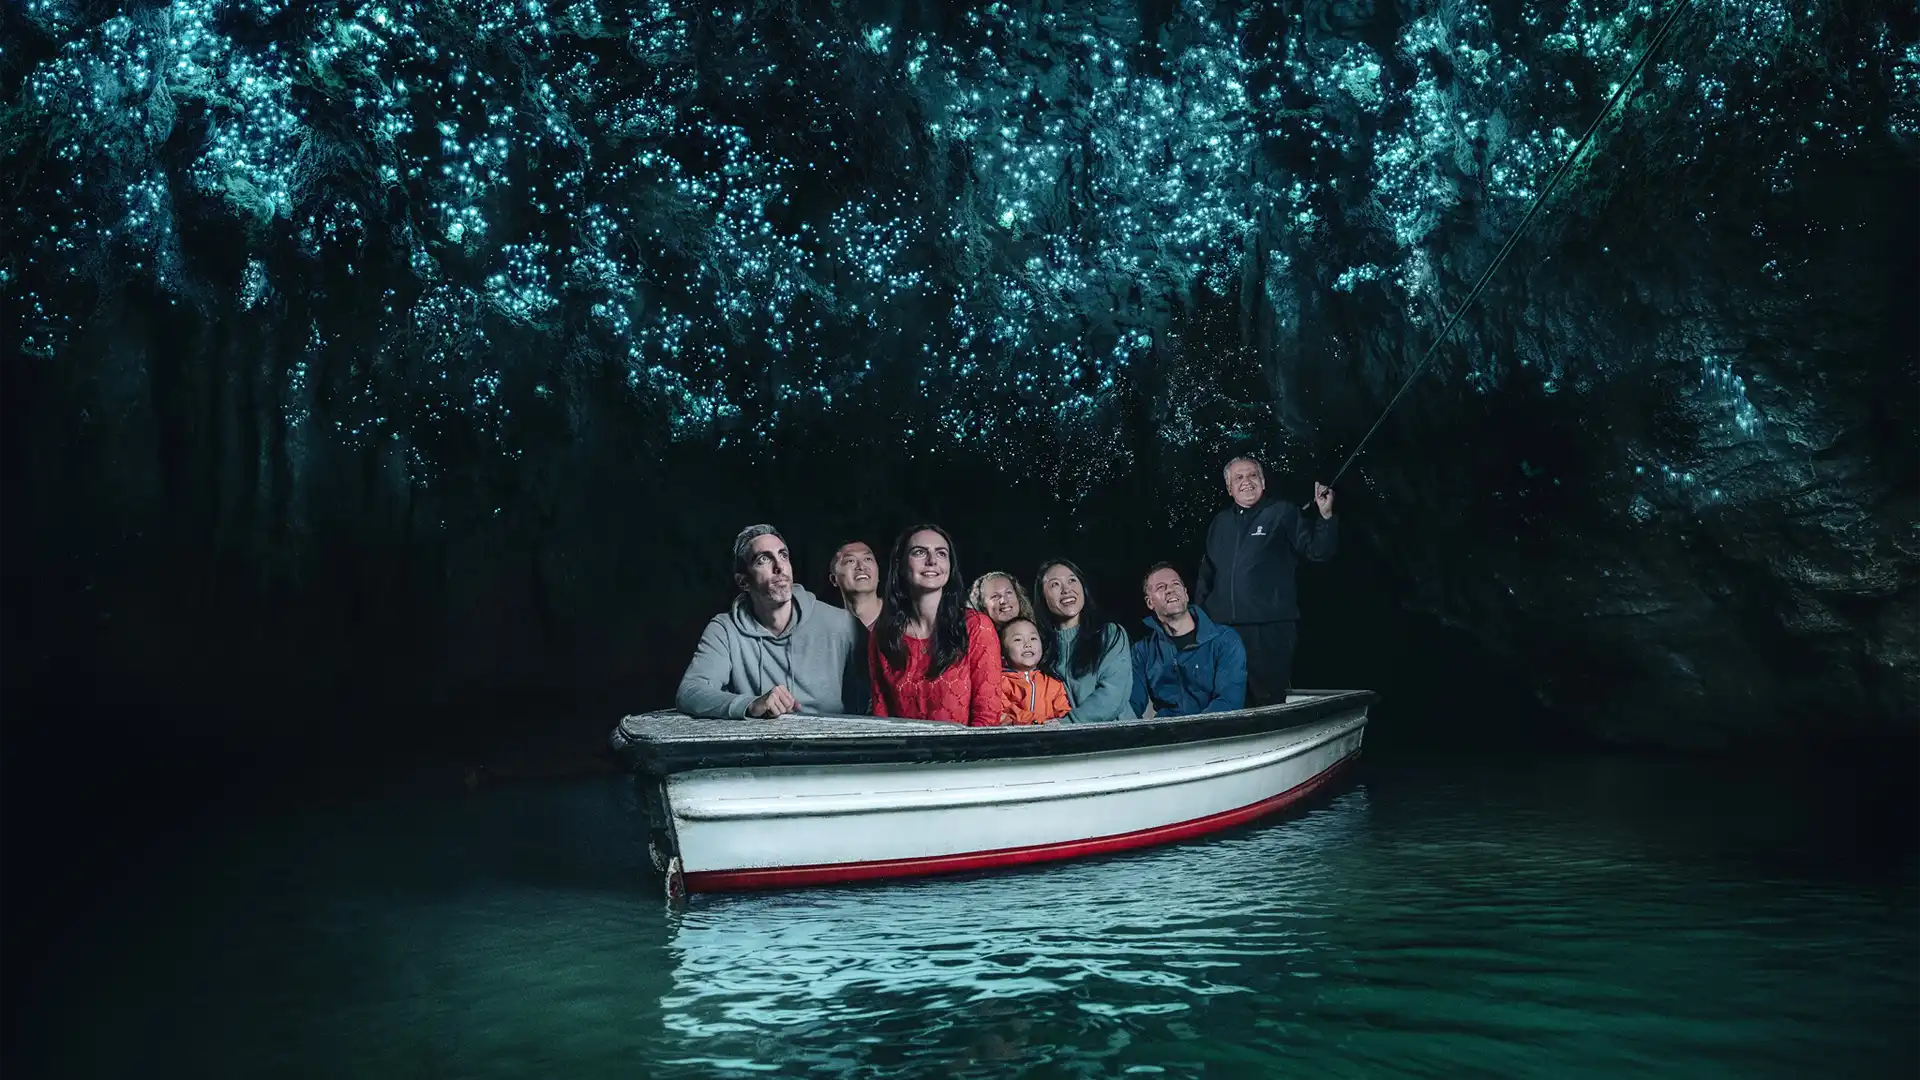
[
  {"x": 1156, "y": 568},
  {"x": 1226, "y": 471},
  {"x": 743, "y": 545}
]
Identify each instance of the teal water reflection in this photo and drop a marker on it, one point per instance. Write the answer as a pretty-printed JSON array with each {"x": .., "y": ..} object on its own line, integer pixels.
[
  {"x": 1067, "y": 965},
  {"x": 1563, "y": 918}
]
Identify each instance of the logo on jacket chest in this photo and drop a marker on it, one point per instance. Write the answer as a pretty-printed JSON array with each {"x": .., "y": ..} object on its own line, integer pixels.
[{"x": 1258, "y": 530}]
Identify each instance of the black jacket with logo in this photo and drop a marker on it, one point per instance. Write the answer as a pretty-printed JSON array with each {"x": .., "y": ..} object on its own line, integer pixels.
[{"x": 1247, "y": 573}]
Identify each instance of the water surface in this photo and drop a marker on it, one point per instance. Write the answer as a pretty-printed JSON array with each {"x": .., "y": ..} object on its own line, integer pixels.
[{"x": 1554, "y": 918}]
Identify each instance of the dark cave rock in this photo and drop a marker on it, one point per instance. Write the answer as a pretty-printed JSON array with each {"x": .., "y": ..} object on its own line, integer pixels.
[{"x": 389, "y": 369}]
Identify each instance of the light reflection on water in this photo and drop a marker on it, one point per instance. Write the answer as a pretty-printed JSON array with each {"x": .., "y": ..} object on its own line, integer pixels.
[
  {"x": 1577, "y": 918},
  {"x": 1468, "y": 930},
  {"x": 1154, "y": 933},
  {"x": 1052, "y": 966}
]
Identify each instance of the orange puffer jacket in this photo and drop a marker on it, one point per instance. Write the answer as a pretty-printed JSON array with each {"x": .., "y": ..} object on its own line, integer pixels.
[{"x": 1032, "y": 697}]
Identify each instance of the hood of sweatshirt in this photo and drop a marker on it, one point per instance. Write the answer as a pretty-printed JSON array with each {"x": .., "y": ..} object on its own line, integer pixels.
[{"x": 746, "y": 625}]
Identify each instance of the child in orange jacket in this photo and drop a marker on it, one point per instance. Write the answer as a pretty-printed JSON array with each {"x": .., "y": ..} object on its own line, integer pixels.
[{"x": 1032, "y": 696}]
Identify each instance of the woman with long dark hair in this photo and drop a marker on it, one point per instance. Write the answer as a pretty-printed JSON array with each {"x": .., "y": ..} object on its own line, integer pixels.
[
  {"x": 930, "y": 658},
  {"x": 1081, "y": 647}
]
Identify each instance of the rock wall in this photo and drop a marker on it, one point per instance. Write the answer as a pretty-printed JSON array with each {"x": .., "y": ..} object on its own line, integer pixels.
[{"x": 405, "y": 356}]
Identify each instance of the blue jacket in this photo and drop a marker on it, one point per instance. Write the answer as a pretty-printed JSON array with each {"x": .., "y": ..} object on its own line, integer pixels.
[{"x": 1210, "y": 677}]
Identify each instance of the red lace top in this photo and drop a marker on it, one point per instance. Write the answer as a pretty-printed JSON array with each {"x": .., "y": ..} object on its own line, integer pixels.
[{"x": 968, "y": 692}]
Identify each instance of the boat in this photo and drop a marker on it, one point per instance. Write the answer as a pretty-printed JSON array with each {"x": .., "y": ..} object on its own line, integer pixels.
[{"x": 819, "y": 800}]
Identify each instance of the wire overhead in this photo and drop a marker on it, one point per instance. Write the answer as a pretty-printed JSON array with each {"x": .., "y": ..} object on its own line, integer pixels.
[{"x": 1619, "y": 93}]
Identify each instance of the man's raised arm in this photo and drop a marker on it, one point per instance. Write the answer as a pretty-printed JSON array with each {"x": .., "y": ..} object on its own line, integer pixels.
[{"x": 1314, "y": 537}]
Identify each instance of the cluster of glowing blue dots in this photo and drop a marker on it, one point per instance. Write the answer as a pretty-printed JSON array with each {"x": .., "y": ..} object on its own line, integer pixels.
[{"x": 747, "y": 234}]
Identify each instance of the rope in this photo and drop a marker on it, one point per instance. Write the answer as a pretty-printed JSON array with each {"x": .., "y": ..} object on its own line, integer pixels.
[{"x": 1513, "y": 239}]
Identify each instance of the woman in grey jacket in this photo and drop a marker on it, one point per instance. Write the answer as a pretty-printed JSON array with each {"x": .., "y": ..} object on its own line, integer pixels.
[{"x": 1081, "y": 647}]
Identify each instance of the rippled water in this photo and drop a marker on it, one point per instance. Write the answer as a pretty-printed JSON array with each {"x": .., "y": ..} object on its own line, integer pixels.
[{"x": 1556, "y": 919}]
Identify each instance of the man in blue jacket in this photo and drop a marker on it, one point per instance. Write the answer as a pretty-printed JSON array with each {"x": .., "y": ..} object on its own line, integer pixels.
[
  {"x": 1246, "y": 577},
  {"x": 1187, "y": 663}
]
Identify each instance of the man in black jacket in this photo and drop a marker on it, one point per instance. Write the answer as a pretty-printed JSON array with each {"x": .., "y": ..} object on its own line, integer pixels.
[{"x": 1246, "y": 576}]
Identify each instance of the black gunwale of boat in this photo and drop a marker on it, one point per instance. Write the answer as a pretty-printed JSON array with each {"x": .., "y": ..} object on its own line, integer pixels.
[{"x": 663, "y": 757}]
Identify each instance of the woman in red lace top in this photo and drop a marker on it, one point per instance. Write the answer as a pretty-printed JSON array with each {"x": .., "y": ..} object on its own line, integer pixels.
[{"x": 929, "y": 657}]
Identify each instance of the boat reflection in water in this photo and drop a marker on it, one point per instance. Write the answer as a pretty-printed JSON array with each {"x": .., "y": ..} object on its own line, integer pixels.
[{"x": 1057, "y": 963}]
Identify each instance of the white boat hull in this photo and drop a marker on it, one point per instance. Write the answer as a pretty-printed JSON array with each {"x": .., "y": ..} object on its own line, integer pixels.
[{"x": 767, "y": 826}]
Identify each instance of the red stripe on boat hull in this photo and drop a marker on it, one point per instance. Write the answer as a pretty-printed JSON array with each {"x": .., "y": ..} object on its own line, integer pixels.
[{"x": 836, "y": 873}]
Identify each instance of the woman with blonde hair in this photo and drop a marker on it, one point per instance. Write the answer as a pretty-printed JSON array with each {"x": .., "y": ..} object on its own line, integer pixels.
[{"x": 999, "y": 597}]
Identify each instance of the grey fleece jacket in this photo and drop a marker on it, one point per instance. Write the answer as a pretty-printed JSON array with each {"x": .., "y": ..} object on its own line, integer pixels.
[
  {"x": 738, "y": 659},
  {"x": 1103, "y": 693}
]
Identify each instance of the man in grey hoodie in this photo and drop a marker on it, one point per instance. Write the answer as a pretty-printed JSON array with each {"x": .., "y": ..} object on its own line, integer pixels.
[{"x": 777, "y": 650}]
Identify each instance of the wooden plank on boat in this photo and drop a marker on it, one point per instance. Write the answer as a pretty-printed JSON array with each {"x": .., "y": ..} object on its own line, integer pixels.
[
  {"x": 661, "y": 743},
  {"x": 668, "y": 727}
]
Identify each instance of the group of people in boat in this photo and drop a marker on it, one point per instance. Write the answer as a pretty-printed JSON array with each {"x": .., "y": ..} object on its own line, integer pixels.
[{"x": 916, "y": 642}]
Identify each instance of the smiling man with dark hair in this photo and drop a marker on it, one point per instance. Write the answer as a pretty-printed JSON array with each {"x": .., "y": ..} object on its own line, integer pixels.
[
  {"x": 855, "y": 574},
  {"x": 776, "y": 650}
]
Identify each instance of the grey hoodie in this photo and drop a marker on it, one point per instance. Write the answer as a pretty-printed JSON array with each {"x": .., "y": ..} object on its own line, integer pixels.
[{"x": 738, "y": 660}]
